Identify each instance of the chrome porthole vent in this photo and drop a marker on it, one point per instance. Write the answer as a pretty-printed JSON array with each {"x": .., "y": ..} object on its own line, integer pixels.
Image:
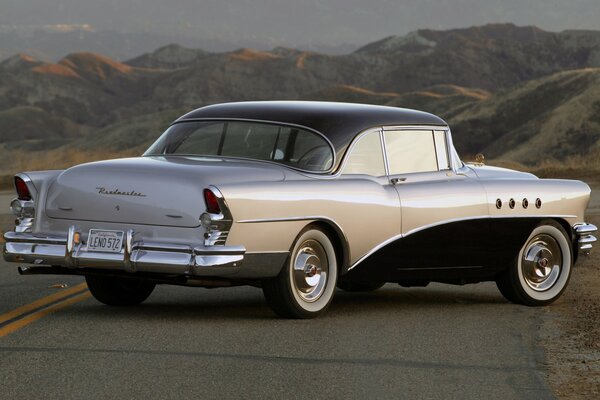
[
  {"x": 538, "y": 203},
  {"x": 511, "y": 203},
  {"x": 525, "y": 203},
  {"x": 498, "y": 204}
]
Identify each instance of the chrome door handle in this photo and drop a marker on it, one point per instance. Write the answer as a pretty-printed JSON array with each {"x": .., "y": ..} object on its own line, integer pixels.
[{"x": 395, "y": 181}]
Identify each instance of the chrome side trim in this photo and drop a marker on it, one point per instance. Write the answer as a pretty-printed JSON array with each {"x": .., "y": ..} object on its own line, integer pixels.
[
  {"x": 374, "y": 249},
  {"x": 450, "y": 221},
  {"x": 307, "y": 218},
  {"x": 507, "y": 216}
]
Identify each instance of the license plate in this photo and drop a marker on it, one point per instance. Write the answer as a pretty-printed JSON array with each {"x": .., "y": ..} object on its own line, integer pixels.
[{"x": 105, "y": 241}]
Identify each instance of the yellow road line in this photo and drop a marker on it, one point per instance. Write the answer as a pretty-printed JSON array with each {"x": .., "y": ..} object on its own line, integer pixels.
[
  {"x": 18, "y": 324},
  {"x": 41, "y": 302}
]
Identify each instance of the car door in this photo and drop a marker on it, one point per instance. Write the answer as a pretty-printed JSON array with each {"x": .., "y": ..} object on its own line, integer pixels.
[
  {"x": 444, "y": 213},
  {"x": 373, "y": 208}
]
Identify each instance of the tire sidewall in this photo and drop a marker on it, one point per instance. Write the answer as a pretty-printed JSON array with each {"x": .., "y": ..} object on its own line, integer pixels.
[
  {"x": 319, "y": 305},
  {"x": 539, "y": 298}
]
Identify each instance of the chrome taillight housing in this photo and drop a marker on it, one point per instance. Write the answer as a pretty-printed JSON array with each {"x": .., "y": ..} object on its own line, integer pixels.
[
  {"x": 23, "y": 192},
  {"x": 23, "y": 207},
  {"x": 217, "y": 219},
  {"x": 212, "y": 202}
]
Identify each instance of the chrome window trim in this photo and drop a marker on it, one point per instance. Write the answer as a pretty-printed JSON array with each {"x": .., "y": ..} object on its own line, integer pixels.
[
  {"x": 455, "y": 163},
  {"x": 268, "y": 122},
  {"x": 386, "y": 163},
  {"x": 447, "y": 150},
  {"x": 414, "y": 127},
  {"x": 449, "y": 221}
]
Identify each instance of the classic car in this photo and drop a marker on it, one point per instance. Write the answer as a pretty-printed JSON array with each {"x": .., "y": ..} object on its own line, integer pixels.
[{"x": 300, "y": 198}]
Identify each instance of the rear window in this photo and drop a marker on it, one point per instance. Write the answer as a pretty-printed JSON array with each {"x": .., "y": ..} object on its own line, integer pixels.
[{"x": 287, "y": 145}]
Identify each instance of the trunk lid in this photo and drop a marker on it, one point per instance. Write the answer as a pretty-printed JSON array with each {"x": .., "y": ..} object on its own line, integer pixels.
[{"x": 165, "y": 191}]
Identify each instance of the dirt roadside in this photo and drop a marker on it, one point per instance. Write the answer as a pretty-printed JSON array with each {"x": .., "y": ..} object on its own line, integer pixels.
[{"x": 570, "y": 332}]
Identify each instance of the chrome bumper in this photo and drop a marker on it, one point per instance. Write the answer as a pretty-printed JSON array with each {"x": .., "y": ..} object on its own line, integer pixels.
[
  {"x": 135, "y": 256},
  {"x": 584, "y": 238}
]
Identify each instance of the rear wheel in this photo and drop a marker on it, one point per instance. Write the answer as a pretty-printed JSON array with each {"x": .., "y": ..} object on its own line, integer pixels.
[
  {"x": 115, "y": 291},
  {"x": 305, "y": 287},
  {"x": 542, "y": 268}
]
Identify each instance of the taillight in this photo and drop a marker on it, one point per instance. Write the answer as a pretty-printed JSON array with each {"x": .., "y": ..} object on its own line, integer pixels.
[
  {"x": 22, "y": 189},
  {"x": 212, "y": 203}
]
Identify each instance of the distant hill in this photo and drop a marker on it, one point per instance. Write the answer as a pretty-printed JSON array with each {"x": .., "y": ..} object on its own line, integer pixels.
[
  {"x": 518, "y": 93},
  {"x": 50, "y": 43},
  {"x": 551, "y": 117}
]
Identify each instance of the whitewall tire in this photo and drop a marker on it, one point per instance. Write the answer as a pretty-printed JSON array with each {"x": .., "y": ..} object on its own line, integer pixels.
[
  {"x": 306, "y": 285},
  {"x": 542, "y": 268}
]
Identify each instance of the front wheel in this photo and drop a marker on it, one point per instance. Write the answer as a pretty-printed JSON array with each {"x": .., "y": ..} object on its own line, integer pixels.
[
  {"x": 115, "y": 291},
  {"x": 542, "y": 268},
  {"x": 305, "y": 287}
]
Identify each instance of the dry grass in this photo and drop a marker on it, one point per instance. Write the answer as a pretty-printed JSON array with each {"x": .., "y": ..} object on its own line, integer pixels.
[
  {"x": 19, "y": 160},
  {"x": 586, "y": 167}
]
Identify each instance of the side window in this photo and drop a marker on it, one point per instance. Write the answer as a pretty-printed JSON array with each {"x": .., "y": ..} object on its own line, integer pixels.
[
  {"x": 416, "y": 151},
  {"x": 366, "y": 157}
]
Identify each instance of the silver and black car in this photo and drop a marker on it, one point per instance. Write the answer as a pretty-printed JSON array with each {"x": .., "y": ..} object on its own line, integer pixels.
[{"x": 300, "y": 198}]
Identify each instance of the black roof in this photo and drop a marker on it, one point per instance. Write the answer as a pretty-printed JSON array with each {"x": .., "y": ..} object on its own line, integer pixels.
[{"x": 339, "y": 122}]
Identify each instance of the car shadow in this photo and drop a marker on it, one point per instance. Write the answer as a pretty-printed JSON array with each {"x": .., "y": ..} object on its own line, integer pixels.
[{"x": 249, "y": 303}]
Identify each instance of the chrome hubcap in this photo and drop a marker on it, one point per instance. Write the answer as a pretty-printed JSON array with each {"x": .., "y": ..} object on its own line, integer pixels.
[
  {"x": 310, "y": 271},
  {"x": 541, "y": 262}
]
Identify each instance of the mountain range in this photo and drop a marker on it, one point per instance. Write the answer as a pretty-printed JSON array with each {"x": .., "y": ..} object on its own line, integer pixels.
[{"x": 514, "y": 93}]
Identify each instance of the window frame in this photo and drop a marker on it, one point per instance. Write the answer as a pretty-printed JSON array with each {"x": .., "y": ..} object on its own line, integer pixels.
[{"x": 447, "y": 142}]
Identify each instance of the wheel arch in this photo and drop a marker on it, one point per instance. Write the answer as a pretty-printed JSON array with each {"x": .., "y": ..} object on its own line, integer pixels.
[{"x": 340, "y": 242}]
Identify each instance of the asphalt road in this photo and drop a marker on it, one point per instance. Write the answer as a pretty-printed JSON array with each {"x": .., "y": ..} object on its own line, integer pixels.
[{"x": 439, "y": 342}]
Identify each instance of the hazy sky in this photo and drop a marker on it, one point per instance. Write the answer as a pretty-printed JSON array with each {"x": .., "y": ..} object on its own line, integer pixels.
[{"x": 298, "y": 22}]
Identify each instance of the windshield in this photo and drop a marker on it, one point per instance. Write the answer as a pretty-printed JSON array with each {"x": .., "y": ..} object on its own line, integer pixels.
[{"x": 283, "y": 144}]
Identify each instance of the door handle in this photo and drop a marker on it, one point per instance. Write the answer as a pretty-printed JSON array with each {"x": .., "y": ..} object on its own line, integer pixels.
[{"x": 395, "y": 181}]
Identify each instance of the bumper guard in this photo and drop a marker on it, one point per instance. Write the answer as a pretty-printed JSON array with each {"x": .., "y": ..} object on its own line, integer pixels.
[{"x": 585, "y": 239}]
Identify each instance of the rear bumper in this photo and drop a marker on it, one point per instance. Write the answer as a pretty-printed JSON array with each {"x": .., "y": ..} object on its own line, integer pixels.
[
  {"x": 135, "y": 256},
  {"x": 585, "y": 239}
]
